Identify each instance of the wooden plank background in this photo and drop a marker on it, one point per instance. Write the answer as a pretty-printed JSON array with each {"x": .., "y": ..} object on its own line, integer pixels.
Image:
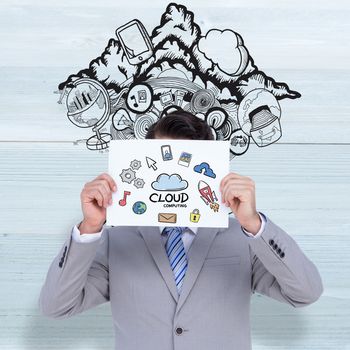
[{"x": 302, "y": 182}]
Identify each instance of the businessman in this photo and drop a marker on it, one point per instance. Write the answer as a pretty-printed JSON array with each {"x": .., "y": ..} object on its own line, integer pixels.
[{"x": 176, "y": 287}]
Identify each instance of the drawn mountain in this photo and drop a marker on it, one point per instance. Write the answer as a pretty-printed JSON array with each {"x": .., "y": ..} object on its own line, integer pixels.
[{"x": 178, "y": 43}]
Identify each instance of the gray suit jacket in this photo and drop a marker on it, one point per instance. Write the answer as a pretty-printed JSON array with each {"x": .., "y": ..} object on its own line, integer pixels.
[{"x": 129, "y": 267}]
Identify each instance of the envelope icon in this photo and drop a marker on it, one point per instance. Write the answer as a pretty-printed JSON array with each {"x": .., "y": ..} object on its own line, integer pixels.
[{"x": 167, "y": 217}]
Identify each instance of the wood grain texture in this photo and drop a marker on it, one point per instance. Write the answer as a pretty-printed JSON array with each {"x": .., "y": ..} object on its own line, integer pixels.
[{"x": 302, "y": 182}]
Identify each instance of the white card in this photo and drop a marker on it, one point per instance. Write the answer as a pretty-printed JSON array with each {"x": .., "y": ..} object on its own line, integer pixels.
[{"x": 165, "y": 182}]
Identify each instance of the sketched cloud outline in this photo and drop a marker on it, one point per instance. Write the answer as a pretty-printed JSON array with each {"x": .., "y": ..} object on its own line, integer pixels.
[
  {"x": 166, "y": 182},
  {"x": 186, "y": 58},
  {"x": 232, "y": 58},
  {"x": 208, "y": 171}
]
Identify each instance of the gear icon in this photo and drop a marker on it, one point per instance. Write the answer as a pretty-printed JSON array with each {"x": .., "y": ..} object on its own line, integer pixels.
[
  {"x": 135, "y": 164},
  {"x": 128, "y": 175},
  {"x": 139, "y": 183}
]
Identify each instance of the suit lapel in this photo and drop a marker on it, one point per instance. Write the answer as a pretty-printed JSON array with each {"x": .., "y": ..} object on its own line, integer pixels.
[
  {"x": 196, "y": 255},
  {"x": 154, "y": 243}
]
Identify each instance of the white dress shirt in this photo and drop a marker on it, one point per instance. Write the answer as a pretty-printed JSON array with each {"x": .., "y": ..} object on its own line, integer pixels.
[{"x": 187, "y": 236}]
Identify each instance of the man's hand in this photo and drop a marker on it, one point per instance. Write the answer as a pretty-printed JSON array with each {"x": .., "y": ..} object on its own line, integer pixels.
[
  {"x": 238, "y": 192},
  {"x": 95, "y": 197}
]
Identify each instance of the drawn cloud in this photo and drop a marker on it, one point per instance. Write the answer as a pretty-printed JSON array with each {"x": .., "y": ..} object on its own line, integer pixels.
[
  {"x": 184, "y": 69},
  {"x": 208, "y": 171},
  {"x": 167, "y": 182},
  {"x": 176, "y": 44},
  {"x": 232, "y": 57}
]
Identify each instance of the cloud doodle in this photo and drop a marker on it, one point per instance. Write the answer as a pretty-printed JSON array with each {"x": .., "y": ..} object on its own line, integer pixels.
[
  {"x": 140, "y": 76},
  {"x": 232, "y": 58},
  {"x": 167, "y": 182},
  {"x": 205, "y": 169}
]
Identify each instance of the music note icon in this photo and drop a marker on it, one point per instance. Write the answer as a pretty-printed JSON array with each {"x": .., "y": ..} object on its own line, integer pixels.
[
  {"x": 122, "y": 202},
  {"x": 135, "y": 103}
]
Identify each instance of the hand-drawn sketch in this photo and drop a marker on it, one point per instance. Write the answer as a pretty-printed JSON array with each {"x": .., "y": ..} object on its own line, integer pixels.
[
  {"x": 135, "y": 164},
  {"x": 139, "y": 183},
  {"x": 140, "y": 77},
  {"x": 216, "y": 118},
  {"x": 128, "y": 175},
  {"x": 139, "y": 207},
  {"x": 258, "y": 115},
  {"x": 142, "y": 123},
  {"x": 204, "y": 169},
  {"x": 166, "y": 182},
  {"x": 167, "y": 218},
  {"x": 166, "y": 153},
  {"x": 88, "y": 106},
  {"x": 232, "y": 58},
  {"x": 122, "y": 202},
  {"x": 208, "y": 196},
  {"x": 195, "y": 215},
  {"x": 185, "y": 159},
  {"x": 172, "y": 188},
  {"x": 121, "y": 119},
  {"x": 151, "y": 163},
  {"x": 239, "y": 142},
  {"x": 140, "y": 98},
  {"x": 135, "y": 41}
]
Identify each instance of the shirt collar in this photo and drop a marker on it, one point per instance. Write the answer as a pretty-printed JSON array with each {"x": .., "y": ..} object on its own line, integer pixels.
[{"x": 191, "y": 229}]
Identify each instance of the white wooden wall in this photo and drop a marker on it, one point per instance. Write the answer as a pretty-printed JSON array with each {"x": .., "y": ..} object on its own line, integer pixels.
[{"x": 302, "y": 181}]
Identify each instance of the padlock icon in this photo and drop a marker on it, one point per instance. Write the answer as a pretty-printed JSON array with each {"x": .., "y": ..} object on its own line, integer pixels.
[{"x": 194, "y": 216}]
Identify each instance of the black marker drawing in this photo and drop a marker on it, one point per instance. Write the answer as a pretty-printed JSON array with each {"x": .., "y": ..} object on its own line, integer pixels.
[
  {"x": 170, "y": 198},
  {"x": 121, "y": 119},
  {"x": 140, "y": 77},
  {"x": 88, "y": 106},
  {"x": 172, "y": 182},
  {"x": 258, "y": 115},
  {"x": 166, "y": 99},
  {"x": 239, "y": 142},
  {"x": 142, "y": 123},
  {"x": 140, "y": 98},
  {"x": 135, "y": 41},
  {"x": 216, "y": 118}
]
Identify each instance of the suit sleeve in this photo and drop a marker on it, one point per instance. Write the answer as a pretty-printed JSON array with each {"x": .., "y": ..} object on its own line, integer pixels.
[
  {"x": 261, "y": 230},
  {"x": 85, "y": 237},
  {"x": 78, "y": 278},
  {"x": 281, "y": 270}
]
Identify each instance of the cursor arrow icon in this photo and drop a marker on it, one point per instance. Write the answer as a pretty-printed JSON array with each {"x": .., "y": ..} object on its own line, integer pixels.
[{"x": 151, "y": 163}]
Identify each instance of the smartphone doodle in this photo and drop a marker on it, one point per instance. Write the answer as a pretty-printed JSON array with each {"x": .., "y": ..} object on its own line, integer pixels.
[
  {"x": 166, "y": 153},
  {"x": 135, "y": 41}
]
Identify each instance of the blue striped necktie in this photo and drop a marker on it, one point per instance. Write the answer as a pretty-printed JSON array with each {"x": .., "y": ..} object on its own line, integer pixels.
[{"x": 176, "y": 253}]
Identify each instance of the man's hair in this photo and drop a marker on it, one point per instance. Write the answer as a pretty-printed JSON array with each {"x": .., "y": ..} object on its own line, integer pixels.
[{"x": 180, "y": 125}]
